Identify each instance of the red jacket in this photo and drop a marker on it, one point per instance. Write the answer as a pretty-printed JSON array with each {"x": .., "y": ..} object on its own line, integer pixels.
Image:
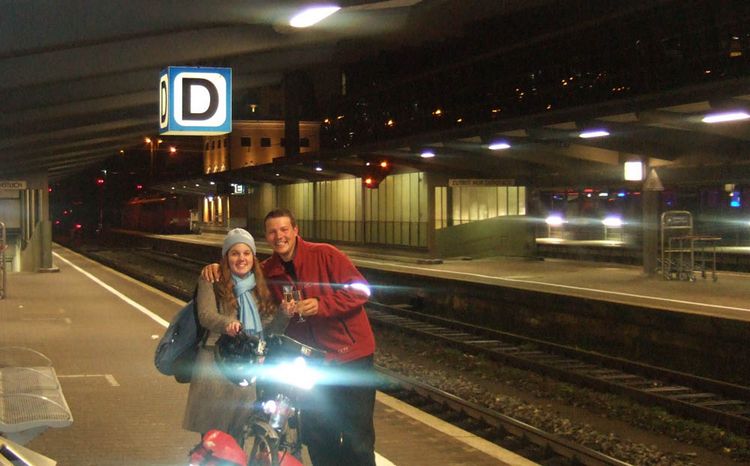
[{"x": 341, "y": 327}]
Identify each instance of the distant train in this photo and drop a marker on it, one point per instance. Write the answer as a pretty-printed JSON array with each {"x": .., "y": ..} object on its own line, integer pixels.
[{"x": 157, "y": 214}]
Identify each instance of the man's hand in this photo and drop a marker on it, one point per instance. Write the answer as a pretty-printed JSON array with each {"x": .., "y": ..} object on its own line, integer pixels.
[
  {"x": 307, "y": 307},
  {"x": 211, "y": 273}
]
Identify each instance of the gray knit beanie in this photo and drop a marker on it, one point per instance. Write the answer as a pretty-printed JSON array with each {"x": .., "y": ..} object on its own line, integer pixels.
[{"x": 237, "y": 235}]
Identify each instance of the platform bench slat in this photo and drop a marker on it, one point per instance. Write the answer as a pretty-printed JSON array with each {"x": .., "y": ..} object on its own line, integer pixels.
[{"x": 31, "y": 400}]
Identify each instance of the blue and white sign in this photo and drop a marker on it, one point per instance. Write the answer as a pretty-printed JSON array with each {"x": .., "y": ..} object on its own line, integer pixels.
[{"x": 195, "y": 101}]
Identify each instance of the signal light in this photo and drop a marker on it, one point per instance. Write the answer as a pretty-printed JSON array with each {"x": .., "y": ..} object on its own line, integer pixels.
[
  {"x": 371, "y": 182},
  {"x": 376, "y": 173},
  {"x": 100, "y": 181}
]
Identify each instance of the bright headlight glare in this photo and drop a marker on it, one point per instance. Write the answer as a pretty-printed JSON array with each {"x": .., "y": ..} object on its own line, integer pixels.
[
  {"x": 360, "y": 287},
  {"x": 612, "y": 222},
  {"x": 554, "y": 220}
]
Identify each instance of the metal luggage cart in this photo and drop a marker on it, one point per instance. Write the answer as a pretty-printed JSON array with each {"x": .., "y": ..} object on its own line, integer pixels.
[
  {"x": 684, "y": 253},
  {"x": 677, "y": 245}
]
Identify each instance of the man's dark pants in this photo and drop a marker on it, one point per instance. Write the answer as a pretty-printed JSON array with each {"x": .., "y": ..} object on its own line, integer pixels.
[{"x": 337, "y": 425}]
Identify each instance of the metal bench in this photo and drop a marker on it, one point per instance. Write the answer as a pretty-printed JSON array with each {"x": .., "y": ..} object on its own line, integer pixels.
[
  {"x": 31, "y": 399},
  {"x": 13, "y": 454}
]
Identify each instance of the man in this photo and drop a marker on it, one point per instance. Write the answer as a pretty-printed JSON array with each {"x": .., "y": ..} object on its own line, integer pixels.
[{"x": 338, "y": 429}]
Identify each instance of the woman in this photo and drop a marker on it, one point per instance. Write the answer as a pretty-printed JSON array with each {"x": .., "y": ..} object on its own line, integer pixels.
[{"x": 239, "y": 302}]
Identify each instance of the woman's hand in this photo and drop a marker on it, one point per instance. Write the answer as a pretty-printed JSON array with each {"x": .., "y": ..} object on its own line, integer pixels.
[
  {"x": 211, "y": 273},
  {"x": 233, "y": 328}
]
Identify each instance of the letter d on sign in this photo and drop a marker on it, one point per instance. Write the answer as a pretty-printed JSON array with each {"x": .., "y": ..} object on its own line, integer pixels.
[
  {"x": 188, "y": 99},
  {"x": 164, "y": 101},
  {"x": 200, "y": 99}
]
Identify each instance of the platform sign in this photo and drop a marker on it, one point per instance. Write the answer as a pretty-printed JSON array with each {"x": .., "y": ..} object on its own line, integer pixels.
[
  {"x": 195, "y": 101},
  {"x": 481, "y": 182},
  {"x": 10, "y": 184}
]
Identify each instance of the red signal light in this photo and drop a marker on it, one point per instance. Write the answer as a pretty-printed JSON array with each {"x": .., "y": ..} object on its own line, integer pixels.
[
  {"x": 100, "y": 181},
  {"x": 78, "y": 226},
  {"x": 139, "y": 187}
]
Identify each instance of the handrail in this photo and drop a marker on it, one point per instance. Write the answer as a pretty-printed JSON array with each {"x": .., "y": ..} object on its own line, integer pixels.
[{"x": 3, "y": 247}]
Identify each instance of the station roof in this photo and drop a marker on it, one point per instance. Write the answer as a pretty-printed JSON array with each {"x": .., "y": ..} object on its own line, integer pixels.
[{"x": 79, "y": 82}]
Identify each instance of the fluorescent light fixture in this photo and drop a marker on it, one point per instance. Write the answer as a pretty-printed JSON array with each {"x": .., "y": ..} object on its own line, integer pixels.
[
  {"x": 554, "y": 220},
  {"x": 634, "y": 171},
  {"x": 499, "y": 145},
  {"x": 596, "y": 133},
  {"x": 612, "y": 222},
  {"x": 312, "y": 15},
  {"x": 428, "y": 154},
  {"x": 725, "y": 116}
]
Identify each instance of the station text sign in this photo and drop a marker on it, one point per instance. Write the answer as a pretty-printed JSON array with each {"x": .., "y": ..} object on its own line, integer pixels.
[
  {"x": 195, "y": 101},
  {"x": 4, "y": 184},
  {"x": 482, "y": 182}
]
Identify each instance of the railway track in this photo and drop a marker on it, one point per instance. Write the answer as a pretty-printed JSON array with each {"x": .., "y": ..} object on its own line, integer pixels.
[
  {"x": 702, "y": 399},
  {"x": 705, "y": 400},
  {"x": 512, "y": 434},
  {"x": 710, "y": 401}
]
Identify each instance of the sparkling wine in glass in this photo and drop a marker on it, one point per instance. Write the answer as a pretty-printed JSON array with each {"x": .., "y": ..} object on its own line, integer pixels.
[{"x": 297, "y": 298}]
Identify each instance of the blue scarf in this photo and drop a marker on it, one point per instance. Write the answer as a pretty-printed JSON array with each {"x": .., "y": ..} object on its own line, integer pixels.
[{"x": 248, "y": 307}]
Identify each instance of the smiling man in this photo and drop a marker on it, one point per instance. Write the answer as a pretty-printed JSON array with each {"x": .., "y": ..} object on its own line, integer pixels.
[
  {"x": 338, "y": 428},
  {"x": 319, "y": 286}
]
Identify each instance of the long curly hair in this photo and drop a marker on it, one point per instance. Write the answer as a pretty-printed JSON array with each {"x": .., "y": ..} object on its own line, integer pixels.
[{"x": 261, "y": 292}]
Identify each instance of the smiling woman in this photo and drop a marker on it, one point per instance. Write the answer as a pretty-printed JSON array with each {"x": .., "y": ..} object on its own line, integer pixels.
[{"x": 238, "y": 303}]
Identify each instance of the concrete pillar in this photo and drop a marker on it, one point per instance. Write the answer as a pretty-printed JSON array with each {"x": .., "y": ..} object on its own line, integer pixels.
[
  {"x": 650, "y": 199},
  {"x": 430, "y": 224},
  {"x": 292, "y": 108}
]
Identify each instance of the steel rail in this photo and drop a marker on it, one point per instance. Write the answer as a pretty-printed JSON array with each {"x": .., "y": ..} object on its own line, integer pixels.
[
  {"x": 573, "y": 452},
  {"x": 695, "y": 397}
]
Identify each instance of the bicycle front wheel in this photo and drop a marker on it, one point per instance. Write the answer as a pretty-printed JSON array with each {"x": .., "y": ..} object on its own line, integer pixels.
[{"x": 264, "y": 452}]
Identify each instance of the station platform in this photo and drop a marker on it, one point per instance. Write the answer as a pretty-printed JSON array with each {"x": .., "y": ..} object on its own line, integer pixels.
[
  {"x": 728, "y": 297},
  {"x": 100, "y": 328}
]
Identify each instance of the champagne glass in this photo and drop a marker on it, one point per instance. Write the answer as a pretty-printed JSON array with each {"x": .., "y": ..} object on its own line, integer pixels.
[
  {"x": 297, "y": 296},
  {"x": 291, "y": 294},
  {"x": 288, "y": 293}
]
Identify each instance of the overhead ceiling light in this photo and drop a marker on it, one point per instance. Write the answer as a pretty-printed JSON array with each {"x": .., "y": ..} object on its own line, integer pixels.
[
  {"x": 596, "y": 133},
  {"x": 499, "y": 146},
  {"x": 428, "y": 154},
  {"x": 725, "y": 116},
  {"x": 318, "y": 168},
  {"x": 312, "y": 15}
]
